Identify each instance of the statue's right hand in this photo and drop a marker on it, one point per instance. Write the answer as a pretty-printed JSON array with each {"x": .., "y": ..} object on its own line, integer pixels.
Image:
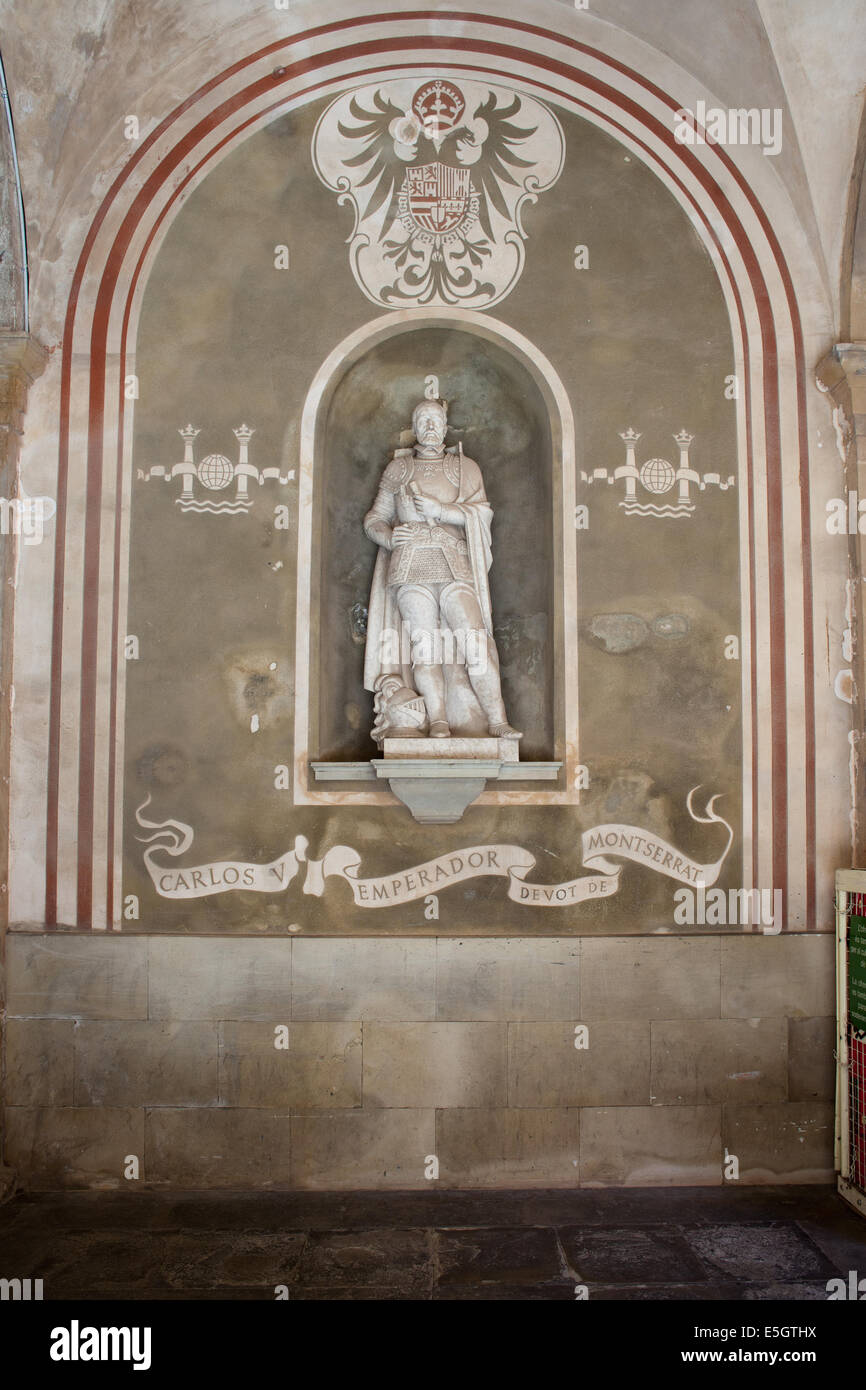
[{"x": 402, "y": 534}]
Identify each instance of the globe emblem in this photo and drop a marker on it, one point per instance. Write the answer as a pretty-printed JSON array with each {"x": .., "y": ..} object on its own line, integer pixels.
[
  {"x": 657, "y": 476},
  {"x": 215, "y": 472}
]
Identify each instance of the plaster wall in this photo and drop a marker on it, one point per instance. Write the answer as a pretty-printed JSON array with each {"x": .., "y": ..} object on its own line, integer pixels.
[{"x": 210, "y": 701}]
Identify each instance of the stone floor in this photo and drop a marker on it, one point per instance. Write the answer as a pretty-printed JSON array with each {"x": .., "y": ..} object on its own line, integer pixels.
[{"x": 638, "y": 1244}]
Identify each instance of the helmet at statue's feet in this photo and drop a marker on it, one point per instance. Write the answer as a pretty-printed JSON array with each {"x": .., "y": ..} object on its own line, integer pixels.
[{"x": 503, "y": 731}]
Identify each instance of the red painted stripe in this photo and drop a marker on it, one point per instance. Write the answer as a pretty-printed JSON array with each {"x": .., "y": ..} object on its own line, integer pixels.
[{"x": 378, "y": 46}]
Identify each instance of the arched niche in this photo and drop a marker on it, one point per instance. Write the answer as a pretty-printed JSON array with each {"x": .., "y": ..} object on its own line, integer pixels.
[{"x": 510, "y": 412}]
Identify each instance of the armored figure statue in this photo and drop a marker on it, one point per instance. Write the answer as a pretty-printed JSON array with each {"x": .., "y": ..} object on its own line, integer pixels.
[{"x": 431, "y": 658}]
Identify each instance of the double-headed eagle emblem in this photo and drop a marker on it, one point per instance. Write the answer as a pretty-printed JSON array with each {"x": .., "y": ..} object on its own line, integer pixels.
[{"x": 437, "y": 174}]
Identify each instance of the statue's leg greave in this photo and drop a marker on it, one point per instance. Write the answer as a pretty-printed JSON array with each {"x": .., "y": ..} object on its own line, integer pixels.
[
  {"x": 419, "y": 609},
  {"x": 462, "y": 613}
]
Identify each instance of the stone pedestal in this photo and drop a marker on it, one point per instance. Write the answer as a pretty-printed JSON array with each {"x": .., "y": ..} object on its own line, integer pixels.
[
  {"x": 502, "y": 750},
  {"x": 438, "y": 778}
]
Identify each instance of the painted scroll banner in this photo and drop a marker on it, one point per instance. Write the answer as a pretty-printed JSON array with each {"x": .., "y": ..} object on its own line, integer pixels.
[
  {"x": 221, "y": 876},
  {"x": 512, "y": 862}
]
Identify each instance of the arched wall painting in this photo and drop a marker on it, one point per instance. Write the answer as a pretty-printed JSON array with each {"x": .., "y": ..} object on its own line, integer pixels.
[{"x": 582, "y": 341}]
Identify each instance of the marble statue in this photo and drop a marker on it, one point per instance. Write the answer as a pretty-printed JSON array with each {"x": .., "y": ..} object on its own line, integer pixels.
[{"x": 431, "y": 660}]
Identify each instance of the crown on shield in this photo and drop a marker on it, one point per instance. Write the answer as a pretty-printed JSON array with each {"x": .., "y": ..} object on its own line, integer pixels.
[{"x": 438, "y": 105}]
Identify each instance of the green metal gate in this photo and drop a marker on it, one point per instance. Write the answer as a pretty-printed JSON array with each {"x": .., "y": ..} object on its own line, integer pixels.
[{"x": 851, "y": 1035}]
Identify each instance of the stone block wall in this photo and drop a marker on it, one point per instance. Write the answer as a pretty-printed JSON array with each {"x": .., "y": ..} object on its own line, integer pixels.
[{"x": 164, "y": 1048}]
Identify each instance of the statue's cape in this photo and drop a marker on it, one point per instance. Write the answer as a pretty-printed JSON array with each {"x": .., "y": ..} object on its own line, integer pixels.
[{"x": 383, "y": 615}]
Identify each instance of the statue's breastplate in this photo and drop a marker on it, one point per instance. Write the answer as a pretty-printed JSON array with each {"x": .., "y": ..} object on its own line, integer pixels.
[
  {"x": 439, "y": 479},
  {"x": 438, "y": 553}
]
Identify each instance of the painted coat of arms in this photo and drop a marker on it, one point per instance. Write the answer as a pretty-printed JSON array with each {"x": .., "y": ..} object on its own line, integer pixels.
[{"x": 438, "y": 174}]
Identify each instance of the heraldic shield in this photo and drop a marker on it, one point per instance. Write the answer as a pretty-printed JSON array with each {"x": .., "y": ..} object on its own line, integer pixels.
[{"x": 437, "y": 197}]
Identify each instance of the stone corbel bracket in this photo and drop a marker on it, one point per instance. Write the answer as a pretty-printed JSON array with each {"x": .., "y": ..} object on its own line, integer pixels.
[{"x": 438, "y": 779}]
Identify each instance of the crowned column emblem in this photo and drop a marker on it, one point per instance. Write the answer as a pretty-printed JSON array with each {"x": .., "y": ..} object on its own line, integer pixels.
[
  {"x": 205, "y": 486},
  {"x": 657, "y": 478}
]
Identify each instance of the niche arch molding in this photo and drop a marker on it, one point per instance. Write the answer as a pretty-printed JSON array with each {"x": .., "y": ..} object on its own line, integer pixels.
[{"x": 563, "y": 502}]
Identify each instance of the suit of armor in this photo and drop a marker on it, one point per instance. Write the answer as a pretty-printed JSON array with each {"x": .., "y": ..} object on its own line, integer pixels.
[
  {"x": 438, "y": 552},
  {"x": 432, "y": 520}
]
